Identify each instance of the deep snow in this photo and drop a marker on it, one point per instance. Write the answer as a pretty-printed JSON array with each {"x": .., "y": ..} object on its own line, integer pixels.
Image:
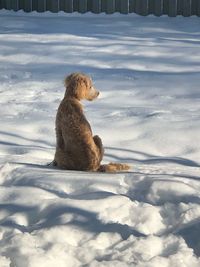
[{"x": 148, "y": 114}]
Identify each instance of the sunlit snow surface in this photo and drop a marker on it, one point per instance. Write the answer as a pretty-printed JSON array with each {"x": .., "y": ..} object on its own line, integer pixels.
[{"x": 148, "y": 115}]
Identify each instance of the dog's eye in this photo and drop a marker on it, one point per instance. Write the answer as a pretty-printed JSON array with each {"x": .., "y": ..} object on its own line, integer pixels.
[{"x": 92, "y": 85}]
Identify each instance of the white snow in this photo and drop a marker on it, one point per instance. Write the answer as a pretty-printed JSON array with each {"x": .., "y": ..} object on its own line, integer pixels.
[{"x": 148, "y": 115}]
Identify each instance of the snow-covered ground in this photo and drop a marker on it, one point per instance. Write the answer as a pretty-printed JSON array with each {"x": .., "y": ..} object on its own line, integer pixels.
[{"x": 148, "y": 114}]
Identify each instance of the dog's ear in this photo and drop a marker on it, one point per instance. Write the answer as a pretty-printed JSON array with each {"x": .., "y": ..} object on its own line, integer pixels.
[
  {"x": 76, "y": 85},
  {"x": 69, "y": 79}
]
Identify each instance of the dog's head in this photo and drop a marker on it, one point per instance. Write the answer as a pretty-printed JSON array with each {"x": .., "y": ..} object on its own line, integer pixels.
[{"x": 79, "y": 85}]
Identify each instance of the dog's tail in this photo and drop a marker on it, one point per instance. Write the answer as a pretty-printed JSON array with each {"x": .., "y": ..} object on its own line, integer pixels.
[{"x": 113, "y": 167}]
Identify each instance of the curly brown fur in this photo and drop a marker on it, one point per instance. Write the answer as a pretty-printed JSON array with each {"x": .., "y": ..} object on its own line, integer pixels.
[{"x": 76, "y": 147}]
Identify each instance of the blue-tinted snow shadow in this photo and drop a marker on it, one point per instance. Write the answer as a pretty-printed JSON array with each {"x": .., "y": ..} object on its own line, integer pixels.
[
  {"x": 51, "y": 217},
  {"x": 97, "y": 24},
  {"x": 94, "y": 27},
  {"x": 149, "y": 158},
  {"x": 8, "y": 135},
  {"x": 191, "y": 236},
  {"x": 56, "y": 70},
  {"x": 85, "y": 220},
  {"x": 28, "y": 211}
]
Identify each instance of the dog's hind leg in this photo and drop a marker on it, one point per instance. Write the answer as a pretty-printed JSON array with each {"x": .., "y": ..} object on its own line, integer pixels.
[{"x": 99, "y": 144}]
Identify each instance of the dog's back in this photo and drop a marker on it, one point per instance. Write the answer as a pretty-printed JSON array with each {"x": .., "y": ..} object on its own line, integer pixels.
[{"x": 75, "y": 146}]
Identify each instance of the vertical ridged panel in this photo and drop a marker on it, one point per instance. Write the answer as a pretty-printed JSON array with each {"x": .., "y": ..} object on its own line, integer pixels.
[{"x": 142, "y": 7}]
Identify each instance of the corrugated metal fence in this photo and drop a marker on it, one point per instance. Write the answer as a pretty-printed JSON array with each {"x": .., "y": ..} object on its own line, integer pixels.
[{"x": 141, "y": 7}]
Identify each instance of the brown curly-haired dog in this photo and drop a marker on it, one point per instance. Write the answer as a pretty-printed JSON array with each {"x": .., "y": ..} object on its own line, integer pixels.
[{"x": 76, "y": 147}]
